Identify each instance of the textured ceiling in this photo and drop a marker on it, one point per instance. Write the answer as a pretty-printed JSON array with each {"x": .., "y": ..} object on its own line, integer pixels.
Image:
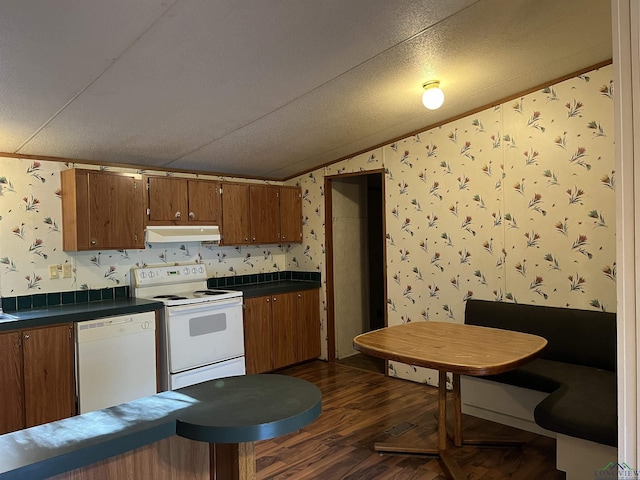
[{"x": 268, "y": 88}]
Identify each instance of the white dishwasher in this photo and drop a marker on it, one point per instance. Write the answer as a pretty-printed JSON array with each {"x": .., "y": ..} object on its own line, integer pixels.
[{"x": 116, "y": 360}]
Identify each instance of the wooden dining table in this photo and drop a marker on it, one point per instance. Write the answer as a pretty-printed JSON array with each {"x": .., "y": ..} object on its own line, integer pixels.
[{"x": 456, "y": 349}]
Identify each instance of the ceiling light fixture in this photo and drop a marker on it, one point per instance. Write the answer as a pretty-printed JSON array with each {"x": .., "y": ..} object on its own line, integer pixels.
[{"x": 432, "y": 97}]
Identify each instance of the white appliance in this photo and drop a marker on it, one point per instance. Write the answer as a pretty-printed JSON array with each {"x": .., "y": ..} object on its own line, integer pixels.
[
  {"x": 201, "y": 330},
  {"x": 116, "y": 360}
]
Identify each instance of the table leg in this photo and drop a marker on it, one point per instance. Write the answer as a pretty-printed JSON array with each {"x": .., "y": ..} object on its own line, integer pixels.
[
  {"x": 457, "y": 411},
  {"x": 455, "y": 430},
  {"x": 451, "y": 467},
  {"x": 232, "y": 461},
  {"x": 442, "y": 410}
]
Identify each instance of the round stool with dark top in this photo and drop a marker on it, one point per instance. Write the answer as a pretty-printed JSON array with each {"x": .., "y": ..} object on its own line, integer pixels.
[{"x": 232, "y": 413}]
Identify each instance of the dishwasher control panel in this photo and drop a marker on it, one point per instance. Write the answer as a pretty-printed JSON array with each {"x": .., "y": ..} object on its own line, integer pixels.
[{"x": 115, "y": 326}]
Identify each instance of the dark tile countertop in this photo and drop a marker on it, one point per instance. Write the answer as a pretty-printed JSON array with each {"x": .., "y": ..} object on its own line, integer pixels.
[
  {"x": 230, "y": 410},
  {"x": 78, "y": 312},
  {"x": 275, "y": 287}
]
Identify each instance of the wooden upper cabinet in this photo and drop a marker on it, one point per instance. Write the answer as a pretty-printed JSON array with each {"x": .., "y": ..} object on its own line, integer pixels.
[
  {"x": 167, "y": 199},
  {"x": 236, "y": 229},
  {"x": 12, "y": 397},
  {"x": 290, "y": 214},
  {"x": 260, "y": 214},
  {"x": 180, "y": 201},
  {"x": 204, "y": 201},
  {"x": 264, "y": 208},
  {"x": 101, "y": 210}
]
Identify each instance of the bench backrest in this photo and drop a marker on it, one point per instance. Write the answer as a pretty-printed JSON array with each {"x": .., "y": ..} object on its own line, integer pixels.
[{"x": 582, "y": 337}]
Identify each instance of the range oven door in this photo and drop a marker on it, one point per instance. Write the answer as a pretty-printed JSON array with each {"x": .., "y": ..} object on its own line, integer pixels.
[{"x": 203, "y": 333}]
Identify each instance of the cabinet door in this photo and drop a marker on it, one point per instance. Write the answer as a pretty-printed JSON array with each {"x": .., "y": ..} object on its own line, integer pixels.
[
  {"x": 265, "y": 214},
  {"x": 308, "y": 309},
  {"x": 115, "y": 211},
  {"x": 290, "y": 214},
  {"x": 283, "y": 316},
  {"x": 101, "y": 210},
  {"x": 11, "y": 398},
  {"x": 204, "y": 201},
  {"x": 49, "y": 390},
  {"x": 235, "y": 214},
  {"x": 258, "y": 333},
  {"x": 167, "y": 199}
]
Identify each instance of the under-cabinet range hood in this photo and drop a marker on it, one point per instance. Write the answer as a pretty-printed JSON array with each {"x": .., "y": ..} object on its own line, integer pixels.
[{"x": 179, "y": 233}]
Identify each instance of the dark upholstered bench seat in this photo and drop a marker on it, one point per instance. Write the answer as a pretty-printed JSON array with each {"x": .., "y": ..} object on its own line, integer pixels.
[
  {"x": 577, "y": 368},
  {"x": 582, "y": 401}
]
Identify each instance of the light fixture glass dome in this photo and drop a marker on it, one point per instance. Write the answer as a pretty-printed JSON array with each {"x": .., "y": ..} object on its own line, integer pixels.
[{"x": 433, "y": 97}]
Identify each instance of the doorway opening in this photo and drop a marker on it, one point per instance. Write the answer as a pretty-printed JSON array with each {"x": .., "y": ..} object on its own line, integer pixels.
[{"x": 356, "y": 284}]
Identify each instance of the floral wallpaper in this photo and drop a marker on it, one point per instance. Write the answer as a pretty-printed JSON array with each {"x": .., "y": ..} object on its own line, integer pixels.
[
  {"x": 31, "y": 240},
  {"x": 515, "y": 203}
]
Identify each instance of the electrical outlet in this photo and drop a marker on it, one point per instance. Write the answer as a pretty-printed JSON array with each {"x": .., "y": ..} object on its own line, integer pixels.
[
  {"x": 53, "y": 271},
  {"x": 66, "y": 270}
]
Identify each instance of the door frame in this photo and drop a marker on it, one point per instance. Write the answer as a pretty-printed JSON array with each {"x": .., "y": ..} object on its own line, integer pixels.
[{"x": 328, "y": 233}]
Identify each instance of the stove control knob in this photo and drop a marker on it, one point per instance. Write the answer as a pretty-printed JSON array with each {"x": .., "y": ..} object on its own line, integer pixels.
[
  {"x": 201, "y": 269},
  {"x": 194, "y": 270},
  {"x": 151, "y": 274},
  {"x": 186, "y": 270},
  {"x": 143, "y": 274}
]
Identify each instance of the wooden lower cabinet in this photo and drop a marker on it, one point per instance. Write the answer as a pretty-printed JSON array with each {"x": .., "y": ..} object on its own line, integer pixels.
[
  {"x": 49, "y": 387},
  {"x": 12, "y": 397},
  {"x": 37, "y": 376},
  {"x": 280, "y": 330},
  {"x": 285, "y": 331},
  {"x": 308, "y": 341},
  {"x": 258, "y": 334}
]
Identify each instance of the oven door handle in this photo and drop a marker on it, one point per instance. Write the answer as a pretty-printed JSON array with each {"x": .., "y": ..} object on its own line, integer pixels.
[{"x": 203, "y": 307}]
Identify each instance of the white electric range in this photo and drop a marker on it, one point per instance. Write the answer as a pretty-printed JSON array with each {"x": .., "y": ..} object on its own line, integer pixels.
[{"x": 201, "y": 330}]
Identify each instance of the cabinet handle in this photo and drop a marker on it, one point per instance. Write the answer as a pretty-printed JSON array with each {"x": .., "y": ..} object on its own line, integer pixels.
[
  {"x": 192, "y": 215},
  {"x": 26, "y": 337},
  {"x": 178, "y": 215},
  {"x": 268, "y": 300},
  {"x": 246, "y": 239},
  {"x": 274, "y": 299},
  {"x": 253, "y": 239},
  {"x": 283, "y": 237},
  {"x": 93, "y": 242}
]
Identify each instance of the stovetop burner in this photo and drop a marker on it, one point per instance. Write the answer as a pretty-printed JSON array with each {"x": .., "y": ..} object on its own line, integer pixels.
[
  {"x": 171, "y": 297},
  {"x": 195, "y": 297}
]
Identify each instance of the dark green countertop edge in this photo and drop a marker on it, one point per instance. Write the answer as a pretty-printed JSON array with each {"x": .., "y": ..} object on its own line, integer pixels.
[
  {"x": 58, "y": 447},
  {"x": 255, "y": 407},
  {"x": 78, "y": 312},
  {"x": 274, "y": 288},
  {"x": 90, "y": 454}
]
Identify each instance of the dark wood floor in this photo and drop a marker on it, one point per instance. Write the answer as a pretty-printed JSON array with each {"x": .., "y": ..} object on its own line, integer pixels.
[
  {"x": 364, "y": 362},
  {"x": 357, "y": 408}
]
